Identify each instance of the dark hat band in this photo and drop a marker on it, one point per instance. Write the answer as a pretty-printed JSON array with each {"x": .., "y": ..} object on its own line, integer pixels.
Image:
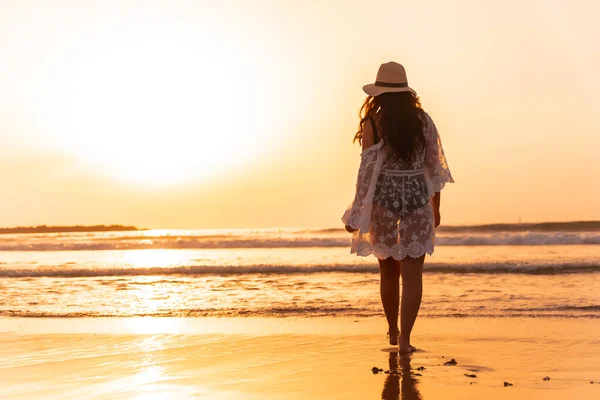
[{"x": 392, "y": 85}]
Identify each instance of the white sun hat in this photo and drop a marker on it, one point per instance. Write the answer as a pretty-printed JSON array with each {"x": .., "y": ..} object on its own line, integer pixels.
[{"x": 391, "y": 77}]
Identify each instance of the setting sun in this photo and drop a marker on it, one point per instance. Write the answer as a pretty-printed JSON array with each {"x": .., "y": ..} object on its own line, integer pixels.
[
  {"x": 151, "y": 106},
  {"x": 155, "y": 111}
]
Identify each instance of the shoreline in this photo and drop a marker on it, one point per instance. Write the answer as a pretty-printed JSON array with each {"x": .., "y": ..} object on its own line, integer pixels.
[{"x": 255, "y": 325}]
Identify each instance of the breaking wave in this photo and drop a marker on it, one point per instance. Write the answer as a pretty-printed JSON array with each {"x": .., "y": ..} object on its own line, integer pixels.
[
  {"x": 67, "y": 271},
  {"x": 75, "y": 243}
]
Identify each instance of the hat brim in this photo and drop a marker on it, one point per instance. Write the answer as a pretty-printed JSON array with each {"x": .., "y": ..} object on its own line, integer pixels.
[{"x": 373, "y": 90}]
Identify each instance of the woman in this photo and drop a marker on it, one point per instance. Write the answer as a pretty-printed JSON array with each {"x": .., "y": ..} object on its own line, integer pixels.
[{"x": 397, "y": 204}]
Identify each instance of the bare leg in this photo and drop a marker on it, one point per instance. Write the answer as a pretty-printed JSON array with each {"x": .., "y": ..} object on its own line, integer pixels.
[
  {"x": 412, "y": 291},
  {"x": 390, "y": 294}
]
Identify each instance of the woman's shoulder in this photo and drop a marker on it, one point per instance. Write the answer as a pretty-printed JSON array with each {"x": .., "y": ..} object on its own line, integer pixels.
[{"x": 368, "y": 136}]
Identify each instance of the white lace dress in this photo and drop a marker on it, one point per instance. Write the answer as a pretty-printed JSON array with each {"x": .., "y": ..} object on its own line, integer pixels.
[{"x": 392, "y": 211}]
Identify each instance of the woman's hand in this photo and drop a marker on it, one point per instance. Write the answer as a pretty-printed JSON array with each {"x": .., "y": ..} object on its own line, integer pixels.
[
  {"x": 437, "y": 217},
  {"x": 349, "y": 229}
]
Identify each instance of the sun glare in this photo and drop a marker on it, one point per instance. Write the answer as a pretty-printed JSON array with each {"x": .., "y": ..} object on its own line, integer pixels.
[
  {"x": 158, "y": 107},
  {"x": 155, "y": 258}
]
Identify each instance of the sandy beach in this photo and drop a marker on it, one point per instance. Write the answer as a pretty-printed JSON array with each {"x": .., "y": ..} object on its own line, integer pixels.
[{"x": 304, "y": 358}]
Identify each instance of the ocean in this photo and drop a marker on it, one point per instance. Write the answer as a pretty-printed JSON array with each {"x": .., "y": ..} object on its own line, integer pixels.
[{"x": 497, "y": 271}]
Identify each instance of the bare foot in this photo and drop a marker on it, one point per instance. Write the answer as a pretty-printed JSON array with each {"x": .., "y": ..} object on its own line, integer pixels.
[
  {"x": 405, "y": 346},
  {"x": 393, "y": 336}
]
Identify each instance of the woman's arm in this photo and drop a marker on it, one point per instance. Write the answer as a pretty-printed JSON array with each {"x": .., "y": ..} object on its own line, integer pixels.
[
  {"x": 436, "y": 199},
  {"x": 435, "y": 159},
  {"x": 436, "y": 166},
  {"x": 368, "y": 138}
]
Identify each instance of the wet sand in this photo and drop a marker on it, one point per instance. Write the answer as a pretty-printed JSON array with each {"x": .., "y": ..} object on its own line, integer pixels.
[{"x": 316, "y": 358}]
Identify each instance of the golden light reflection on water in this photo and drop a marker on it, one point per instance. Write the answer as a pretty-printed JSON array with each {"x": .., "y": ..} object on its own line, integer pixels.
[
  {"x": 151, "y": 374},
  {"x": 150, "y": 325},
  {"x": 150, "y": 396},
  {"x": 164, "y": 232},
  {"x": 154, "y": 258},
  {"x": 152, "y": 297},
  {"x": 148, "y": 375}
]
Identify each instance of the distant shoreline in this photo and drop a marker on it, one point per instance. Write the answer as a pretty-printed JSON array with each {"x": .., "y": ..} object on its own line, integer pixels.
[{"x": 68, "y": 229}]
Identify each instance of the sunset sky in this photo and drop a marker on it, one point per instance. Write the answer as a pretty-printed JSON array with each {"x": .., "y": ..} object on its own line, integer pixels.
[{"x": 233, "y": 114}]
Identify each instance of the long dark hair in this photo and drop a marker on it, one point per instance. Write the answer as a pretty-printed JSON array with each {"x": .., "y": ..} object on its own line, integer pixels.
[{"x": 398, "y": 123}]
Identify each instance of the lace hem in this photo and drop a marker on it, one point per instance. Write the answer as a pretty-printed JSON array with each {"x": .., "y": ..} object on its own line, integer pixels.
[
  {"x": 397, "y": 251},
  {"x": 352, "y": 216},
  {"x": 438, "y": 182}
]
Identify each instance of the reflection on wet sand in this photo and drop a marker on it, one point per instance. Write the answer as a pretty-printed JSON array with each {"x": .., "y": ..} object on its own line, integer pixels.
[{"x": 400, "y": 382}]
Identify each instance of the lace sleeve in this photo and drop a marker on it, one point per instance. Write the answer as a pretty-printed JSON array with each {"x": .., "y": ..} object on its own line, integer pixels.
[
  {"x": 366, "y": 172},
  {"x": 436, "y": 165}
]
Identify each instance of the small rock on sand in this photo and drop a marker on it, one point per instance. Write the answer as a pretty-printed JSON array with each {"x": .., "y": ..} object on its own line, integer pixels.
[
  {"x": 375, "y": 370},
  {"x": 547, "y": 378},
  {"x": 451, "y": 362},
  {"x": 507, "y": 384},
  {"x": 470, "y": 375},
  {"x": 421, "y": 369}
]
